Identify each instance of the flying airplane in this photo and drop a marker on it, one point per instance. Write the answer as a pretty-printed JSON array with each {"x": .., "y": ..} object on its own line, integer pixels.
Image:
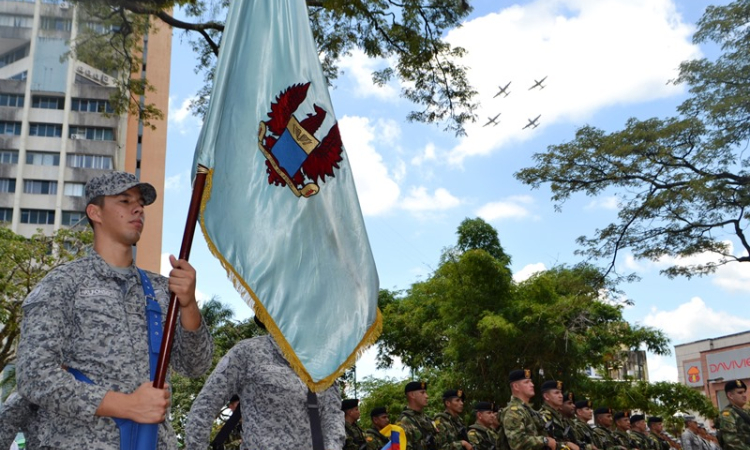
[
  {"x": 503, "y": 90},
  {"x": 538, "y": 83},
  {"x": 533, "y": 123},
  {"x": 491, "y": 120}
]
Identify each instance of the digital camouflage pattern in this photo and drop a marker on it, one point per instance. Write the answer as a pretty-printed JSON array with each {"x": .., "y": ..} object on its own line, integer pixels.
[
  {"x": 17, "y": 414},
  {"x": 734, "y": 424},
  {"x": 641, "y": 441},
  {"x": 523, "y": 427},
  {"x": 583, "y": 433},
  {"x": 691, "y": 441},
  {"x": 604, "y": 439},
  {"x": 374, "y": 439},
  {"x": 482, "y": 438},
  {"x": 621, "y": 438},
  {"x": 451, "y": 431},
  {"x": 273, "y": 399},
  {"x": 113, "y": 183},
  {"x": 355, "y": 437},
  {"x": 555, "y": 424},
  {"x": 87, "y": 316},
  {"x": 421, "y": 433}
]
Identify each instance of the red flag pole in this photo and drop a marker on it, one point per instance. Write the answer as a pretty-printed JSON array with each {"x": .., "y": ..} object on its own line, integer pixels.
[{"x": 187, "y": 242}]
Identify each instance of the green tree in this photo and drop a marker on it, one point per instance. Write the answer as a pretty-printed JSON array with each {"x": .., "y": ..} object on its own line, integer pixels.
[
  {"x": 682, "y": 182},
  {"x": 409, "y": 35},
  {"x": 472, "y": 324},
  {"x": 23, "y": 263}
]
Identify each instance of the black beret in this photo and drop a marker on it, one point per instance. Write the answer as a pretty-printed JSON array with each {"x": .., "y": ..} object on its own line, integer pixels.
[
  {"x": 602, "y": 410},
  {"x": 379, "y": 411},
  {"x": 415, "y": 386},
  {"x": 569, "y": 397},
  {"x": 583, "y": 404},
  {"x": 552, "y": 384},
  {"x": 636, "y": 417},
  {"x": 484, "y": 406},
  {"x": 655, "y": 419},
  {"x": 235, "y": 398},
  {"x": 518, "y": 375},
  {"x": 349, "y": 403},
  {"x": 452, "y": 393},
  {"x": 621, "y": 415},
  {"x": 734, "y": 384}
]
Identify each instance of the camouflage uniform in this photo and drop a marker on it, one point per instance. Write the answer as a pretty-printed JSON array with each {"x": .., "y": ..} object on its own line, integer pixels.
[
  {"x": 659, "y": 443},
  {"x": 91, "y": 317},
  {"x": 17, "y": 414},
  {"x": 451, "y": 431},
  {"x": 523, "y": 427},
  {"x": 691, "y": 441},
  {"x": 482, "y": 438},
  {"x": 641, "y": 441},
  {"x": 556, "y": 425},
  {"x": 375, "y": 439},
  {"x": 621, "y": 438},
  {"x": 734, "y": 424},
  {"x": 273, "y": 399},
  {"x": 604, "y": 439},
  {"x": 583, "y": 434},
  {"x": 355, "y": 437},
  {"x": 421, "y": 433}
]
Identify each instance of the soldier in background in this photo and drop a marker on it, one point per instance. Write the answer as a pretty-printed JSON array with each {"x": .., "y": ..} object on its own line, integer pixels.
[
  {"x": 451, "y": 429},
  {"x": 581, "y": 429},
  {"x": 656, "y": 428},
  {"x": 481, "y": 434},
  {"x": 554, "y": 423},
  {"x": 690, "y": 439},
  {"x": 355, "y": 437},
  {"x": 421, "y": 433},
  {"x": 373, "y": 437},
  {"x": 622, "y": 426},
  {"x": 734, "y": 421},
  {"x": 639, "y": 433},
  {"x": 523, "y": 428},
  {"x": 602, "y": 432},
  {"x": 568, "y": 413}
]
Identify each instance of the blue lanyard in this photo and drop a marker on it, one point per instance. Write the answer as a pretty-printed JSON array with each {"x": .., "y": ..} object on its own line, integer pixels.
[{"x": 153, "y": 319}]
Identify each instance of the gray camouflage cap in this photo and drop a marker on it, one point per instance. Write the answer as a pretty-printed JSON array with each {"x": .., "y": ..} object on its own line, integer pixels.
[{"x": 114, "y": 183}]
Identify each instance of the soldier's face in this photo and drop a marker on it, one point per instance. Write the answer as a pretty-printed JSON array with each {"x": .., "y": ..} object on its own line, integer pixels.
[
  {"x": 485, "y": 419},
  {"x": 568, "y": 408},
  {"x": 526, "y": 387},
  {"x": 738, "y": 397},
  {"x": 121, "y": 217},
  {"x": 554, "y": 397},
  {"x": 381, "y": 421},
  {"x": 585, "y": 413},
  {"x": 639, "y": 426},
  {"x": 605, "y": 420},
  {"x": 623, "y": 423},
  {"x": 657, "y": 427},
  {"x": 420, "y": 397},
  {"x": 455, "y": 405},
  {"x": 354, "y": 413}
]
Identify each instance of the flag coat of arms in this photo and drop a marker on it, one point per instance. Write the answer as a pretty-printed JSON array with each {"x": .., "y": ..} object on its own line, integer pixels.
[{"x": 280, "y": 209}]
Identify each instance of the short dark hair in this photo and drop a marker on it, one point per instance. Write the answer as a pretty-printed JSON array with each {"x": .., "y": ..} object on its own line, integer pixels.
[{"x": 98, "y": 201}]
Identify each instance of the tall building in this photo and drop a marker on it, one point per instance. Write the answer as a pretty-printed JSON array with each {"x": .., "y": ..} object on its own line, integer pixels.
[{"x": 54, "y": 133}]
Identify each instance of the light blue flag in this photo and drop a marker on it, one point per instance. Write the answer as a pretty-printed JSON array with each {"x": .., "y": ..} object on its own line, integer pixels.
[{"x": 280, "y": 208}]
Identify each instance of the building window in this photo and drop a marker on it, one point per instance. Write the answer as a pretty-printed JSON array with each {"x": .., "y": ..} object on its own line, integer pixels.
[
  {"x": 38, "y": 216},
  {"x": 6, "y": 214},
  {"x": 40, "y": 187},
  {"x": 92, "y": 133},
  {"x": 14, "y": 55},
  {"x": 38, "y": 101},
  {"x": 8, "y": 156},
  {"x": 10, "y": 128},
  {"x": 11, "y": 20},
  {"x": 19, "y": 76},
  {"x": 70, "y": 218},
  {"x": 14, "y": 100},
  {"x": 45, "y": 129},
  {"x": 74, "y": 189},
  {"x": 7, "y": 185},
  {"x": 43, "y": 159},
  {"x": 54, "y": 23},
  {"x": 90, "y": 161},
  {"x": 89, "y": 105}
]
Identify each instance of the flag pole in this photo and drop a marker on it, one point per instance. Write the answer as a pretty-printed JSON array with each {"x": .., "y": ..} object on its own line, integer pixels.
[{"x": 187, "y": 242}]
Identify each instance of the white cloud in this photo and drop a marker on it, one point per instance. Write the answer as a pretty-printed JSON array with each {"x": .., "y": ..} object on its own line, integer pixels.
[
  {"x": 419, "y": 200},
  {"x": 360, "y": 67},
  {"x": 609, "y": 203},
  {"x": 587, "y": 50},
  {"x": 428, "y": 154},
  {"x": 377, "y": 191},
  {"x": 514, "y": 207},
  {"x": 176, "y": 182},
  {"x": 527, "y": 271},
  {"x": 181, "y": 117},
  {"x": 695, "y": 320},
  {"x": 661, "y": 368}
]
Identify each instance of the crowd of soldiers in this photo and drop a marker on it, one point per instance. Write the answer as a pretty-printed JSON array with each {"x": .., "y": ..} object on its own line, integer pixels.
[{"x": 562, "y": 423}]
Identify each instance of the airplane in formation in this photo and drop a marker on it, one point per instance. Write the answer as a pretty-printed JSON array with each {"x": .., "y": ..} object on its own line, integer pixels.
[
  {"x": 538, "y": 83},
  {"x": 533, "y": 123},
  {"x": 492, "y": 120},
  {"x": 503, "y": 90}
]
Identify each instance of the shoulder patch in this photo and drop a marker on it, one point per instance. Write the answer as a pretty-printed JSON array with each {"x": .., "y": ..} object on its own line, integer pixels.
[
  {"x": 726, "y": 413},
  {"x": 514, "y": 408},
  {"x": 369, "y": 438}
]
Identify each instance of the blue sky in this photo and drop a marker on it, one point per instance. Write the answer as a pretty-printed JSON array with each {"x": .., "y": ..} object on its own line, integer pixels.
[{"x": 605, "y": 61}]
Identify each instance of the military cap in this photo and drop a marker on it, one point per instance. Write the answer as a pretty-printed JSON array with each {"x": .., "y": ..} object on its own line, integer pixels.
[
  {"x": 518, "y": 375},
  {"x": 484, "y": 406},
  {"x": 454, "y": 393},
  {"x": 569, "y": 397},
  {"x": 602, "y": 410},
  {"x": 552, "y": 384},
  {"x": 379, "y": 411},
  {"x": 415, "y": 386},
  {"x": 585, "y": 403},
  {"x": 636, "y": 417},
  {"x": 655, "y": 419},
  {"x": 734, "y": 384},
  {"x": 689, "y": 419},
  {"x": 621, "y": 415},
  {"x": 114, "y": 183},
  {"x": 235, "y": 398},
  {"x": 349, "y": 403}
]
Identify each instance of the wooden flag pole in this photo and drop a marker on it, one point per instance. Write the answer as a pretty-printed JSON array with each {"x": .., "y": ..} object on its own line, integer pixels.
[{"x": 187, "y": 242}]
